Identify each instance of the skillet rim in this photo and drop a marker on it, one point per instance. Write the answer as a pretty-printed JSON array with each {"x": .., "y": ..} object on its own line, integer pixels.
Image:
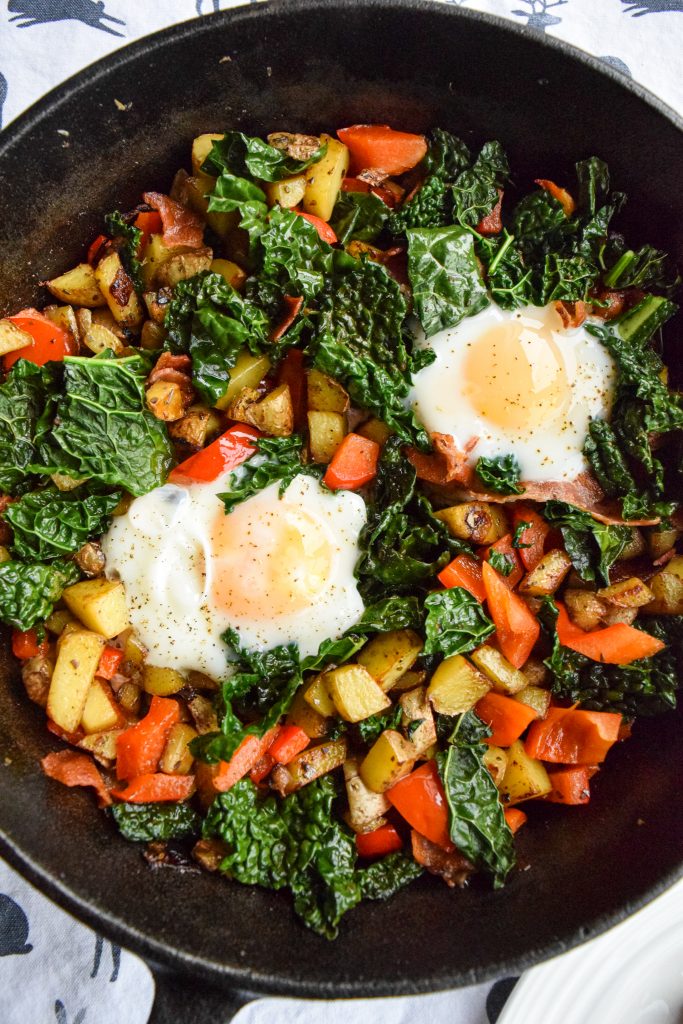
[{"x": 233, "y": 976}]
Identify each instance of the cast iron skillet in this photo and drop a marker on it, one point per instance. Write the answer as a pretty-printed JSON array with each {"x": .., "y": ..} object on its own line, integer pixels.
[{"x": 312, "y": 65}]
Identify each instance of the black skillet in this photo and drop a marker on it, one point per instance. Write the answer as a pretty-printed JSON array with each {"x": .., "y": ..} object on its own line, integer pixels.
[{"x": 309, "y": 66}]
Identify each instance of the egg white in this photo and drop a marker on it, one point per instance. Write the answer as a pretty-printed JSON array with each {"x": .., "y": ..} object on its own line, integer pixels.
[
  {"x": 547, "y": 439},
  {"x": 163, "y": 549}
]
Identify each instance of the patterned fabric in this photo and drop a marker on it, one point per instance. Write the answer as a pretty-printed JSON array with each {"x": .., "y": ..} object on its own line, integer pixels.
[{"x": 54, "y": 970}]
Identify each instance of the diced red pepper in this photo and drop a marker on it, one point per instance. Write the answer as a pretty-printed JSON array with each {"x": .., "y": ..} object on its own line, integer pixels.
[
  {"x": 154, "y": 787},
  {"x": 379, "y": 843},
  {"x": 289, "y": 742},
  {"x": 464, "y": 571},
  {"x": 139, "y": 748},
  {"x": 515, "y": 818},
  {"x": 150, "y": 223},
  {"x": 96, "y": 248},
  {"x": 379, "y": 147},
  {"x": 261, "y": 769},
  {"x": 25, "y": 644},
  {"x": 325, "y": 232},
  {"x": 227, "y": 452},
  {"x": 504, "y": 547},
  {"x": 570, "y": 785},
  {"x": 517, "y": 629},
  {"x": 532, "y": 538},
  {"x": 68, "y": 737},
  {"x": 568, "y": 736},
  {"x": 50, "y": 342},
  {"x": 110, "y": 661},
  {"x": 250, "y": 751},
  {"x": 420, "y": 799},
  {"x": 353, "y": 464},
  {"x": 508, "y": 718},
  {"x": 76, "y": 769},
  {"x": 615, "y": 645}
]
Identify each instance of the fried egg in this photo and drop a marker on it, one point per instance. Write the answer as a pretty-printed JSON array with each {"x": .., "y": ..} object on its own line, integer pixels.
[
  {"x": 520, "y": 383},
  {"x": 276, "y": 570}
]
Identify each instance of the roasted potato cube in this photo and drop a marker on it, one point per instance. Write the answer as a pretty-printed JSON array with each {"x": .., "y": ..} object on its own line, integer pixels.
[
  {"x": 273, "y": 414},
  {"x": 585, "y": 608},
  {"x": 183, "y": 265},
  {"x": 496, "y": 760},
  {"x": 201, "y": 147},
  {"x": 548, "y": 574},
  {"x": 96, "y": 337},
  {"x": 78, "y": 287},
  {"x": 324, "y": 178},
  {"x": 203, "y": 713},
  {"x": 288, "y": 193},
  {"x": 356, "y": 695},
  {"x": 196, "y": 427},
  {"x": 660, "y": 542},
  {"x": 12, "y": 338},
  {"x": 389, "y": 759},
  {"x": 231, "y": 273},
  {"x": 177, "y": 758},
  {"x": 155, "y": 254},
  {"x": 456, "y": 686},
  {"x": 247, "y": 372},
  {"x": 152, "y": 336},
  {"x": 130, "y": 697},
  {"x": 326, "y": 431},
  {"x": 630, "y": 593},
  {"x": 375, "y": 430},
  {"x": 476, "y": 521},
  {"x": 310, "y": 764},
  {"x": 675, "y": 566},
  {"x": 197, "y": 190},
  {"x": 133, "y": 650},
  {"x": 307, "y": 718},
  {"x": 101, "y": 711},
  {"x": 102, "y": 745},
  {"x": 409, "y": 680},
  {"x": 417, "y": 720},
  {"x": 324, "y": 394},
  {"x": 166, "y": 400},
  {"x": 635, "y": 546},
  {"x": 535, "y": 672},
  {"x": 613, "y": 615},
  {"x": 365, "y": 807},
  {"x": 65, "y": 317},
  {"x": 78, "y": 656},
  {"x": 388, "y": 656},
  {"x": 118, "y": 290},
  {"x": 535, "y": 697},
  {"x": 525, "y": 777},
  {"x": 495, "y": 666},
  {"x": 317, "y": 695},
  {"x": 160, "y": 681},
  {"x": 100, "y": 604}
]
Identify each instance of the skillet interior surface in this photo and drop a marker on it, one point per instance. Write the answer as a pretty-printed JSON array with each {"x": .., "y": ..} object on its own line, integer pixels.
[{"x": 310, "y": 66}]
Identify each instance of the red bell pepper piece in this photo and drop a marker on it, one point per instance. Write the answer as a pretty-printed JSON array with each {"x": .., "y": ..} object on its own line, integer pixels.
[
  {"x": 25, "y": 644},
  {"x": 96, "y": 248},
  {"x": 150, "y": 223},
  {"x": 567, "y": 736},
  {"x": 420, "y": 799},
  {"x": 532, "y": 537},
  {"x": 508, "y": 718},
  {"x": 379, "y": 147},
  {"x": 352, "y": 184},
  {"x": 227, "y": 452},
  {"x": 152, "y": 787},
  {"x": 76, "y": 769},
  {"x": 353, "y": 464},
  {"x": 517, "y": 629},
  {"x": 289, "y": 742},
  {"x": 110, "y": 660},
  {"x": 570, "y": 785},
  {"x": 261, "y": 769},
  {"x": 325, "y": 232},
  {"x": 515, "y": 818},
  {"x": 69, "y": 737},
  {"x": 464, "y": 571},
  {"x": 139, "y": 748},
  {"x": 292, "y": 374},
  {"x": 504, "y": 547},
  {"x": 615, "y": 645},
  {"x": 379, "y": 843},
  {"x": 292, "y": 304},
  {"x": 249, "y": 753},
  {"x": 50, "y": 343}
]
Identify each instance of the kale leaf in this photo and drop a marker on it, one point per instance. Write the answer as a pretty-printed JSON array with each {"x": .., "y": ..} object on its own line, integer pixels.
[
  {"x": 476, "y": 189},
  {"x": 283, "y": 462},
  {"x": 242, "y": 154},
  {"x": 455, "y": 622},
  {"x": 50, "y": 523},
  {"x": 430, "y": 207},
  {"x": 592, "y": 546},
  {"x": 297, "y": 843},
  {"x": 386, "y": 877},
  {"x": 358, "y": 215},
  {"x": 29, "y": 591},
  {"x": 444, "y": 275},
  {"x": 234, "y": 194},
  {"x": 128, "y": 238},
  {"x": 500, "y": 474},
  {"x": 24, "y": 397},
  {"x": 447, "y": 155},
  {"x": 144, "y": 823},
  {"x": 295, "y": 258},
  {"x": 373, "y": 726}
]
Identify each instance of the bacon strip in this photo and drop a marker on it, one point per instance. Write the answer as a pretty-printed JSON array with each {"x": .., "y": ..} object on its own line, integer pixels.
[
  {"x": 447, "y": 464},
  {"x": 452, "y": 867},
  {"x": 181, "y": 226},
  {"x": 72, "y": 769}
]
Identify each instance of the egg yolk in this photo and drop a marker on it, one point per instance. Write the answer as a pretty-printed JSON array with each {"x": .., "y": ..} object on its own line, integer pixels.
[
  {"x": 268, "y": 562},
  {"x": 515, "y": 374}
]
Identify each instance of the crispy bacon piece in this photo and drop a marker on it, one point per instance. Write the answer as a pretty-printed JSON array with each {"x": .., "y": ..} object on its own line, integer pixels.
[
  {"x": 72, "y": 769},
  {"x": 492, "y": 223},
  {"x": 563, "y": 197},
  {"x": 452, "y": 867},
  {"x": 176, "y": 370},
  {"x": 446, "y": 464},
  {"x": 294, "y": 144},
  {"x": 292, "y": 307},
  {"x": 181, "y": 226},
  {"x": 572, "y": 314}
]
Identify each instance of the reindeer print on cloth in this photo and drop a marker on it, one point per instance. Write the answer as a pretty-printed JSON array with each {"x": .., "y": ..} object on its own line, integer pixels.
[{"x": 38, "y": 12}]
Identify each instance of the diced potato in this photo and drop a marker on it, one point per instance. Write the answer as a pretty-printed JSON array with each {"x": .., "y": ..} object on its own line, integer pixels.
[
  {"x": 324, "y": 178},
  {"x": 535, "y": 697},
  {"x": 177, "y": 758},
  {"x": 183, "y": 265},
  {"x": 525, "y": 777},
  {"x": 288, "y": 193},
  {"x": 119, "y": 292},
  {"x": 496, "y": 760},
  {"x": 78, "y": 656},
  {"x": 324, "y": 394},
  {"x": 476, "y": 521},
  {"x": 326, "y": 431},
  {"x": 161, "y": 681},
  {"x": 133, "y": 650},
  {"x": 306, "y": 717},
  {"x": 152, "y": 336},
  {"x": 317, "y": 695},
  {"x": 504, "y": 676},
  {"x": 547, "y": 576},
  {"x": 58, "y": 620},
  {"x": 675, "y": 566},
  {"x": 635, "y": 546},
  {"x": 535, "y": 672},
  {"x": 585, "y": 608},
  {"x": 574, "y": 582},
  {"x": 155, "y": 254},
  {"x": 95, "y": 336},
  {"x": 196, "y": 191},
  {"x": 630, "y": 593},
  {"x": 310, "y": 764},
  {"x": 197, "y": 427},
  {"x": 613, "y": 615},
  {"x": 365, "y": 807},
  {"x": 409, "y": 680},
  {"x": 456, "y": 686},
  {"x": 375, "y": 430},
  {"x": 388, "y": 656},
  {"x": 65, "y": 317},
  {"x": 101, "y": 712},
  {"x": 201, "y": 147},
  {"x": 12, "y": 338},
  {"x": 78, "y": 287},
  {"x": 231, "y": 273},
  {"x": 247, "y": 372},
  {"x": 100, "y": 604},
  {"x": 102, "y": 745},
  {"x": 417, "y": 720},
  {"x": 166, "y": 400},
  {"x": 355, "y": 693},
  {"x": 389, "y": 759},
  {"x": 273, "y": 414},
  {"x": 659, "y": 542}
]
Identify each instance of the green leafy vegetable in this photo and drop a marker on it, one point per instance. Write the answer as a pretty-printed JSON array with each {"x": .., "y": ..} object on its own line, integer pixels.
[
  {"x": 444, "y": 276},
  {"x": 25, "y": 400},
  {"x": 372, "y": 727},
  {"x": 243, "y": 154},
  {"x": 501, "y": 562},
  {"x": 50, "y": 523},
  {"x": 592, "y": 546},
  {"x": 476, "y": 189},
  {"x": 388, "y": 876},
  {"x": 128, "y": 237},
  {"x": 29, "y": 592},
  {"x": 283, "y": 463},
  {"x": 500, "y": 474},
  {"x": 455, "y": 622},
  {"x": 294, "y": 256},
  {"x": 144, "y": 823},
  {"x": 447, "y": 155},
  {"x": 358, "y": 215},
  {"x": 430, "y": 207}
]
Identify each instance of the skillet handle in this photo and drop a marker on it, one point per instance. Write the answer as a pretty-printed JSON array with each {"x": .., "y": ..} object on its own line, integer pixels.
[{"x": 182, "y": 998}]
